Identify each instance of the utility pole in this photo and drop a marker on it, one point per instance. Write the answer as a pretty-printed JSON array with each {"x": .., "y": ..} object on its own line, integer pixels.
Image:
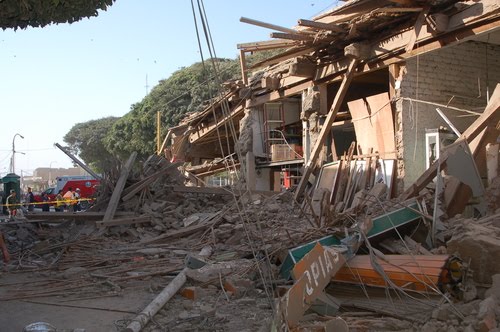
[
  {"x": 147, "y": 86},
  {"x": 13, "y": 159}
]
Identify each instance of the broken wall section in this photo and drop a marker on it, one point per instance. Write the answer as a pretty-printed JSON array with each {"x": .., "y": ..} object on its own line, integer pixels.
[{"x": 458, "y": 76}]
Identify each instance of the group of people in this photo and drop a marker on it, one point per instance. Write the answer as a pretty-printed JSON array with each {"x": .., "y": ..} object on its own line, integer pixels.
[{"x": 70, "y": 201}]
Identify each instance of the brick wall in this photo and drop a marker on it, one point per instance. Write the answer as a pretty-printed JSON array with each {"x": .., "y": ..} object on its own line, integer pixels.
[{"x": 458, "y": 76}]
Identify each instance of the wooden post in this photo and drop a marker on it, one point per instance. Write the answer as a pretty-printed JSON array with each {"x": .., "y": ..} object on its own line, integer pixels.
[
  {"x": 325, "y": 130},
  {"x": 393, "y": 77},
  {"x": 243, "y": 65},
  {"x": 117, "y": 192}
]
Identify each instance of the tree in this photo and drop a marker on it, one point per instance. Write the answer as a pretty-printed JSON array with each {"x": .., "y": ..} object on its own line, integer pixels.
[
  {"x": 16, "y": 14},
  {"x": 186, "y": 90},
  {"x": 86, "y": 140}
]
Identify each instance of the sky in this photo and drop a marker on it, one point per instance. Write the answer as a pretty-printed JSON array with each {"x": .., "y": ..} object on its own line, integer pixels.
[{"x": 54, "y": 77}]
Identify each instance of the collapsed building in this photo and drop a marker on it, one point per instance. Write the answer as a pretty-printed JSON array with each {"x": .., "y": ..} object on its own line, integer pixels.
[{"x": 365, "y": 156}]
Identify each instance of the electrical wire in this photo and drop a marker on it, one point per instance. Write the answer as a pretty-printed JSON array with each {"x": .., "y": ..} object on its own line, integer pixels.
[{"x": 244, "y": 218}]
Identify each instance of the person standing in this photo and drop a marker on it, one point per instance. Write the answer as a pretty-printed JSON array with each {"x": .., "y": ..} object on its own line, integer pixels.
[
  {"x": 68, "y": 198},
  {"x": 30, "y": 199},
  {"x": 45, "y": 200},
  {"x": 12, "y": 204},
  {"x": 59, "y": 202},
  {"x": 76, "y": 198}
]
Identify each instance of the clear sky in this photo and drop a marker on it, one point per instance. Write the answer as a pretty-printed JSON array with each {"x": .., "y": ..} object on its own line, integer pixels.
[{"x": 54, "y": 77}]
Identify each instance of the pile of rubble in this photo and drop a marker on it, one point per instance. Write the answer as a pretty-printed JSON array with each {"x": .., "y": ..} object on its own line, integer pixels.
[{"x": 267, "y": 253}]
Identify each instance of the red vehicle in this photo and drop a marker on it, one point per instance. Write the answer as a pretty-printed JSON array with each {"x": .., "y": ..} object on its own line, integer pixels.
[{"x": 86, "y": 184}]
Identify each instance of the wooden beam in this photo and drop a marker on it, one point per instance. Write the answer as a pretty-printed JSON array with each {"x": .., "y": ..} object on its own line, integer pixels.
[
  {"x": 268, "y": 25},
  {"x": 117, "y": 192},
  {"x": 290, "y": 36},
  {"x": 265, "y": 45},
  {"x": 325, "y": 129},
  {"x": 321, "y": 26},
  {"x": 398, "y": 10},
  {"x": 165, "y": 142}
]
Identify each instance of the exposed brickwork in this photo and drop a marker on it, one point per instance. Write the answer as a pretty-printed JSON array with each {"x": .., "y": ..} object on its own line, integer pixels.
[{"x": 458, "y": 75}]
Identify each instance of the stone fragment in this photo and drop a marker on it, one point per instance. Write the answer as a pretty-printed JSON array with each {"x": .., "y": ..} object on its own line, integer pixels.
[
  {"x": 494, "y": 290},
  {"x": 480, "y": 245}
]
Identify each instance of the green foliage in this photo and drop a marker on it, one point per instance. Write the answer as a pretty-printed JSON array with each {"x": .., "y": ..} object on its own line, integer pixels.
[
  {"x": 86, "y": 140},
  {"x": 16, "y": 14},
  {"x": 187, "y": 90}
]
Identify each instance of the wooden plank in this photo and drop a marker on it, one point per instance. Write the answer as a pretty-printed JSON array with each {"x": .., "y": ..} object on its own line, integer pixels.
[
  {"x": 490, "y": 116},
  {"x": 125, "y": 221},
  {"x": 325, "y": 129},
  {"x": 321, "y": 26},
  {"x": 290, "y": 36},
  {"x": 117, "y": 192},
  {"x": 243, "y": 66},
  {"x": 383, "y": 123},
  {"x": 365, "y": 135},
  {"x": 398, "y": 10},
  {"x": 373, "y": 124}
]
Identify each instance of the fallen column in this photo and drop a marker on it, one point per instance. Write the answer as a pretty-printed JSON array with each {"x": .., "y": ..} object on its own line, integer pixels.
[{"x": 166, "y": 294}]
